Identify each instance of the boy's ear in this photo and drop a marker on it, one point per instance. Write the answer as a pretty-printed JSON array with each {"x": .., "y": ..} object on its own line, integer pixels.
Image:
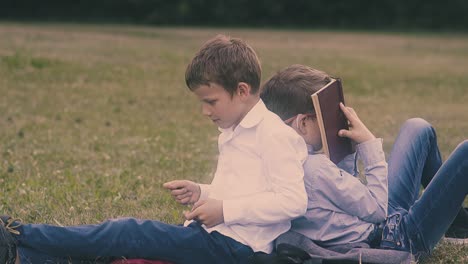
[
  {"x": 243, "y": 89},
  {"x": 301, "y": 125}
]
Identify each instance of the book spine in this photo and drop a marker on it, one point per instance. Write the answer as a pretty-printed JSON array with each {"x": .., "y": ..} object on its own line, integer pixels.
[{"x": 318, "y": 111}]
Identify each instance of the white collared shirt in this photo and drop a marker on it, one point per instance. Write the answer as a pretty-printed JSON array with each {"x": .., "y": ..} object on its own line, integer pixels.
[{"x": 259, "y": 178}]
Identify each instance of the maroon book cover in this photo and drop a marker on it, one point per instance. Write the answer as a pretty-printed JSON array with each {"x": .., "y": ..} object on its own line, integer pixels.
[{"x": 331, "y": 119}]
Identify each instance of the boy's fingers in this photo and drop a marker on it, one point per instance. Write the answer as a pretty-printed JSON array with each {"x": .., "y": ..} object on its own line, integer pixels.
[
  {"x": 342, "y": 106},
  {"x": 183, "y": 196},
  {"x": 180, "y": 191},
  {"x": 183, "y": 200},
  {"x": 346, "y": 112},
  {"x": 344, "y": 133},
  {"x": 171, "y": 185},
  {"x": 197, "y": 204},
  {"x": 177, "y": 184},
  {"x": 189, "y": 215},
  {"x": 347, "y": 109},
  {"x": 192, "y": 215}
]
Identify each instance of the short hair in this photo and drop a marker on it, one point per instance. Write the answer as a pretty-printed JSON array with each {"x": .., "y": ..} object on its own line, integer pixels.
[
  {"x": 225, "y": 61},
  {"x": 288, "y": 92}
]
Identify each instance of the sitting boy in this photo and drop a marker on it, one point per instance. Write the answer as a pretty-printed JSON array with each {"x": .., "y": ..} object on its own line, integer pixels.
[
  {"x": 341, "y": 209},
  {"x": 257, "y": 189}
]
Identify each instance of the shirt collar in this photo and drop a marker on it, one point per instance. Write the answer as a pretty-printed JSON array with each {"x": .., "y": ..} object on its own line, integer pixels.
[{"x": 252, "y": 118}]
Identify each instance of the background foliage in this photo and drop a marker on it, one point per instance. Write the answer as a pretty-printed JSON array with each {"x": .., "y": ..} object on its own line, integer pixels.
[{"x": 388, "y": 14}]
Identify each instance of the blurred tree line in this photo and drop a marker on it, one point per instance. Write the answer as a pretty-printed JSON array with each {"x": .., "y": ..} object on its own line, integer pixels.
[{"x": 370, "y": 14}]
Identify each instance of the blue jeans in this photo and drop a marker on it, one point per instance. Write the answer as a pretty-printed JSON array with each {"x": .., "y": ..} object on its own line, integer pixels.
[
  {"x": 422, "y": 221},
  {"x": 130, "y": 238}
]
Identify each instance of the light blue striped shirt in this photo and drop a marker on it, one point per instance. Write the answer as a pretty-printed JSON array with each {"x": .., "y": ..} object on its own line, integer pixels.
[{"x": 341, "y": 209}]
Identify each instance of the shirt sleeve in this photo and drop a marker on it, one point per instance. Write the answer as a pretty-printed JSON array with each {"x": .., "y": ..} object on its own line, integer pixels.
[
  {"x": 283, "y": 155},
  {"x": 204, "y": 191},
  {"x": 340, "y": 189},
  {"x": 349, "y": 164}
]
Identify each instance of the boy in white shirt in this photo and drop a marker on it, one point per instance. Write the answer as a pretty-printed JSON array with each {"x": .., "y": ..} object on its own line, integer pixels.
[
  {"x": 385, "y": 212},
  {"x": 257, "y": 189}
]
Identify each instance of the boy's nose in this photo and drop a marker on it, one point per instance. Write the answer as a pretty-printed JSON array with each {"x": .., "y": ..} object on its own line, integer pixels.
[{"x": 206, "y": 111}]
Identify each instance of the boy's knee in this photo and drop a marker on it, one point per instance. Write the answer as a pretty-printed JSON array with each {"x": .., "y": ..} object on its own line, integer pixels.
[
  {"x": 418, "y": 122},
  {"x": 463, "y": 146},
  {"x": 459, "y": 156},
  {"x": 420, "y": 125}
]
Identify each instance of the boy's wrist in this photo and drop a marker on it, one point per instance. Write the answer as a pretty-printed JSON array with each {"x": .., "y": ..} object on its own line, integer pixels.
[
  {"x": 370, "y": 141},
  {"x": 368, "y": 138},
  {"x": 364, "y": 136}
]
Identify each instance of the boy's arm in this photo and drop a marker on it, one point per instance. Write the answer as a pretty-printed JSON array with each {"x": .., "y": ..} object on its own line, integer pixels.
[
  {"x": 368, "y": 202},
  {"x": 283, "y": 154},
  {"x": 338, "y": 189}
]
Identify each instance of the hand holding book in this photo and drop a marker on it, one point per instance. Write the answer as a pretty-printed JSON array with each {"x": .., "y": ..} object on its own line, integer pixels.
[{"x": 357, "y": 132}]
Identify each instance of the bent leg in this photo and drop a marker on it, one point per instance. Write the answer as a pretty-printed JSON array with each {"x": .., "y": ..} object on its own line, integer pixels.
[
  {"x": 132, "y": 238},
  {"x": 415, "y": 158},
  {"x": 429, "y": 218}
]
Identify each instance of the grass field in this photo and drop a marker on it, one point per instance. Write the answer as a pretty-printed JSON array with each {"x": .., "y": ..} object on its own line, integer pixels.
[{"x": 95, "y": 118}]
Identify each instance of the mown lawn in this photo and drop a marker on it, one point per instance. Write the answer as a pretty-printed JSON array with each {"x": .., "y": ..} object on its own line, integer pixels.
[{"x": 95, "y": 118}]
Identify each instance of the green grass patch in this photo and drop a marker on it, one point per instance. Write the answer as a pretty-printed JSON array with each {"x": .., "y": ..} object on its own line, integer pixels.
[{"x": 21, "y": 60}]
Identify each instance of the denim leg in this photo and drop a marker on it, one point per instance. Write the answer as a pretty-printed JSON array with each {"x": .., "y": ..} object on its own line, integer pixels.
[
  {"x": 131, "y": 238},
  {"x": 429, "y": 218},
  {"x": 31, "y": 256},
  {"x": 415, "y": 158}
]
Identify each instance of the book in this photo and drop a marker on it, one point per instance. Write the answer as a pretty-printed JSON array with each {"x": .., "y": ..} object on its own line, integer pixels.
[{"x": 331, "y": 119}]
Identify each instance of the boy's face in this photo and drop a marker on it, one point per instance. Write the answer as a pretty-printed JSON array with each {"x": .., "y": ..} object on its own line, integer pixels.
[{"x": 217, "y": 104}]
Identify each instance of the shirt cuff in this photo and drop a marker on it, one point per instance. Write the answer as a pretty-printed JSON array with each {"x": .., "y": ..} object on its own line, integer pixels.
[
  {"x": 230, "y": 212},
  {"x": 204, "y": 191},
  {"x": 371, "y": 152}
]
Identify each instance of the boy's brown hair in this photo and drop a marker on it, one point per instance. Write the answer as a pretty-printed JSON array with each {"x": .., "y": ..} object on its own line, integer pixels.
[
  {"x": 225, "y": 61},
  {"x": 287, "y": 93}
]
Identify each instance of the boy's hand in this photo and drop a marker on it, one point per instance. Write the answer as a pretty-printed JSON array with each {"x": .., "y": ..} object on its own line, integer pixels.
[
  {"x": 208, "y": 212},
  {"x": 357, "y": 132},
  {"x": 185, "y": 192}
]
